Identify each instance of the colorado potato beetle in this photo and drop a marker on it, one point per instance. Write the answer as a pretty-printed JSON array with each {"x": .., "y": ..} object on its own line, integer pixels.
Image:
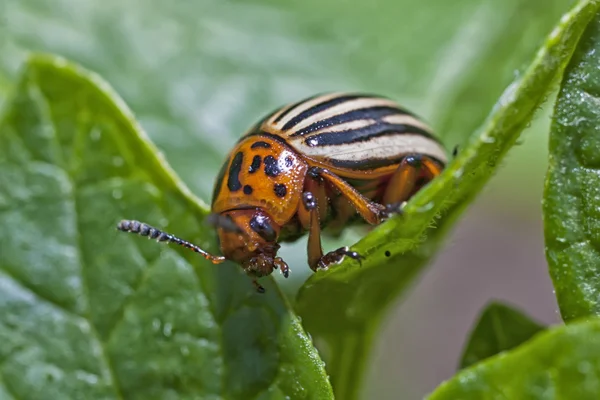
[{"x": 323, "y": 163}]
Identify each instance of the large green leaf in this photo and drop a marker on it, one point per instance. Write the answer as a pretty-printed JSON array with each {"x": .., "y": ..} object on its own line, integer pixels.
[
  {"x": 560, "y": 364},
  {"x": 499, "y": 328},
  {"x": 197, "y": 74},
  {"x": 364, "y": 290},
  {"x": 88, "y": 312},
  {"x": 572, "y": 194}
]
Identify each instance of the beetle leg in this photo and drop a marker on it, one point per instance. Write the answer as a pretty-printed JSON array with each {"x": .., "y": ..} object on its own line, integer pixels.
[
  {"x": 405, "y": 179},
  {"x": 372, "y": 212},
  {"x": 316, "y": 259},
  {"x": 336, "y": 257},
  {"x": 315, "y": 250},
  {"x": 258, "y": 287},
  {"x": 282, "y": 266},
  {"x": 153, "y": 233}
]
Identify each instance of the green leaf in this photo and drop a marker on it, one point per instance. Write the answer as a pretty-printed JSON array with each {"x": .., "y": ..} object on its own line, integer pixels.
[
  {"x": 89, "y": 312},
  {"x": 571, "y": 199},
  {"x": 500, "y": 328},
  {"x": 561, "y": 363},
  {"x": 364, "y": 291},
  {"x": 197, "y": 74}
]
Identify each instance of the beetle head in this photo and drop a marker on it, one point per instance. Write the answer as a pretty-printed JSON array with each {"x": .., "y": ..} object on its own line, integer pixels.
[{"x": 249, "y": 238}]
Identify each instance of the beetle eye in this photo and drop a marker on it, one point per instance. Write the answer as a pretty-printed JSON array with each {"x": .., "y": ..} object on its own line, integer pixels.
[{"x": 260, "y": 224}]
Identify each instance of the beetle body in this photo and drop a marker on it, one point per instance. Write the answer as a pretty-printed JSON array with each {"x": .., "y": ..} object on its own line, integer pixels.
[{"x": 320, "y": 164}]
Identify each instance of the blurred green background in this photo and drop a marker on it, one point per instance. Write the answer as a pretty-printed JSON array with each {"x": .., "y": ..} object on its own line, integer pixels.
[{"x": 198, "y": 73}]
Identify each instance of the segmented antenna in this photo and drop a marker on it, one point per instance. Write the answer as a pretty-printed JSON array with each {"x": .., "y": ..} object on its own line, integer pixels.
[{"x": 151, "y": 232}]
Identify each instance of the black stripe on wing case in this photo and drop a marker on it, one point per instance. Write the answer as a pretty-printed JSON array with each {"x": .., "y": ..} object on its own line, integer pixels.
[
  {"x": 363, "y": 134},
  {"x": 292, "y": 107},
  {"x": 375, "y": 113},
  {"x": 318, "y": 108},
  {"x": 372, "y": 163}
]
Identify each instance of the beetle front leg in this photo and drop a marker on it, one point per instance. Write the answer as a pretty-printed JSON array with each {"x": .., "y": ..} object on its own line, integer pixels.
[
  {"x": 257, "y": 286},
  {"x": 316, "y": 259},
  {"x": 315, "y": 250},
  {"x": 282, "y": 266},
  {"x": 337, "y": 256}
]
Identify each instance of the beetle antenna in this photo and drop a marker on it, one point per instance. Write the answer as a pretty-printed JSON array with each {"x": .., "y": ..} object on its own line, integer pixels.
[{"x": 144, "y": 229}]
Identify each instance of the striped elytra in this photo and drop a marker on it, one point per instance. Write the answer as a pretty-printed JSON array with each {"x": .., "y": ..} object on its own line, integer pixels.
[
  {"x": 317, "y": 165},
  {"x": 352, "y": 131}
]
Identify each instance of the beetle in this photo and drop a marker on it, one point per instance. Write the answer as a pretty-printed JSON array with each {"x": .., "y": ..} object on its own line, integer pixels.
[{"x": 321, "y": 164}]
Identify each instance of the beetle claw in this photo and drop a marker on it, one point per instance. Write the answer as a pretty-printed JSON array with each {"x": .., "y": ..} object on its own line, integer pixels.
[
  {"x": 337, "y": 256},
  {"x": 283, "y": 267},
  {"x": 392, "y": 209}
]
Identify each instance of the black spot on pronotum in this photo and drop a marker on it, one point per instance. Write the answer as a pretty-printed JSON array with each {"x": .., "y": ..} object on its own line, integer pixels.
[
  {"x": 289, "y": 161},
  {"x": 261, "y": 225},
  {"x": 248, "y": 189},
  {"x": 255, "y": 165},
  {"x": 387, "y": 253},
  {"x": 233, "y": 181},
  {"x": 280, "y": 189},
  {"x": 260, "y": 144},
  {"x": 271, "y": 167},
  {"x": 455, "y": 151}
]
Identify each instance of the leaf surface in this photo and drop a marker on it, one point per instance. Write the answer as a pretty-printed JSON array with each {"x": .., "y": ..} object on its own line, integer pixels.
[
  {"x": 89, "y": 312},
  {"x": 499, "y": 328},
  {"x": 197, "y": 74},
  {"x": 572, "y": 189},
  {"x": 559, "y": 364}
]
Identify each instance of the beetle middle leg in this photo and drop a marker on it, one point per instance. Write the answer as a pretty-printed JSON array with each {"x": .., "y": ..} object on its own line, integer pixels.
[
  {"x": 406, "y": 179},
  {"x": 258, "y": 286},
  {"x": 371, "y": 212},
  {"x": 316, "y": 259}
]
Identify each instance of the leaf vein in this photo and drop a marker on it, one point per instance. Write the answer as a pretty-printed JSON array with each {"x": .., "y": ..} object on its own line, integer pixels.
[
  {"x": 40, "y": 98},
  {"x": 85, "y": 286},
  {"x": 126, "y": 303}
]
